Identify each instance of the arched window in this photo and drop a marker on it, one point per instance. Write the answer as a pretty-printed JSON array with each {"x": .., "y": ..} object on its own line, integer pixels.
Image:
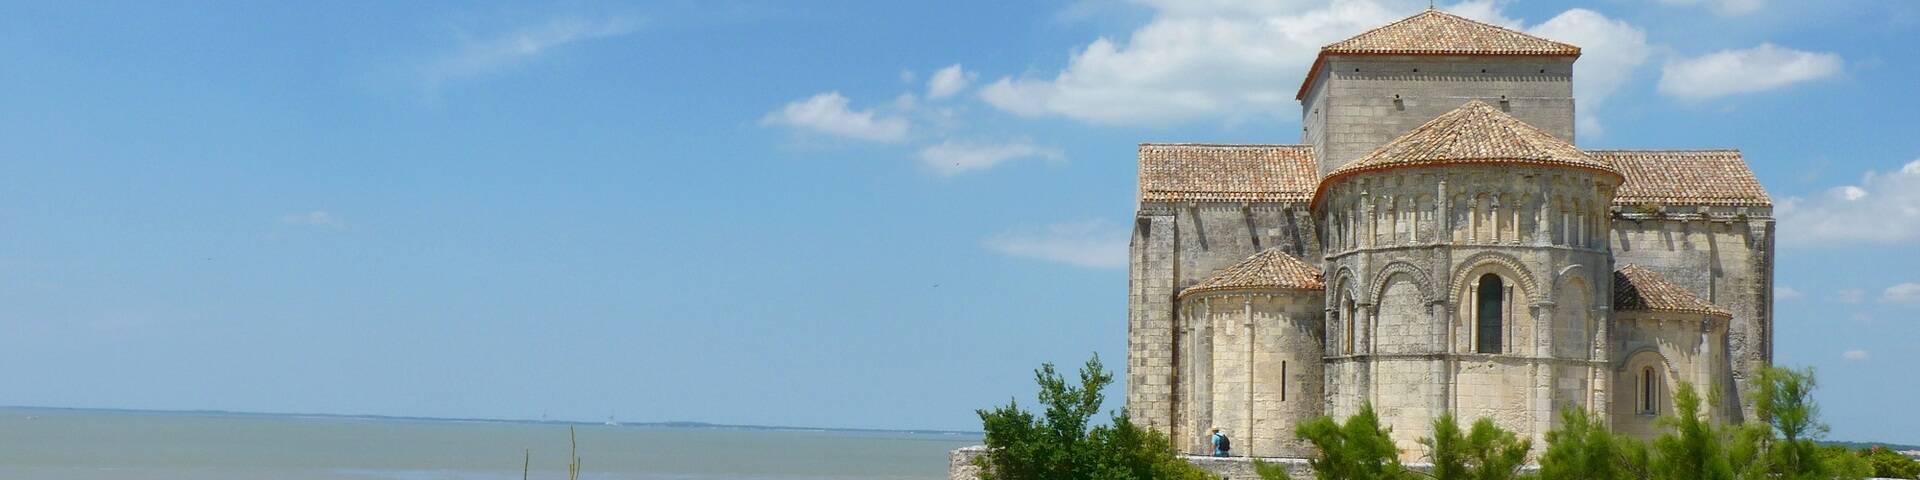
[
  {"x": 1489, "y": 306},
  {"x": 1348, "y": 313},
  {"x": 1649, "y": 392}
]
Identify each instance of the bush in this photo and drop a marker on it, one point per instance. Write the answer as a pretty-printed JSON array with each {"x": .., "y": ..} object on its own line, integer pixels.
[
  {"x": 1361, "y": 449},
  {"x": 1062, "y": 445},
  {"x": 1692, "y": 448},
  {"x": 1583, "y": 449},
  {"x": 1486, "y": 453},
  {"x": 1889, "y": 464}
]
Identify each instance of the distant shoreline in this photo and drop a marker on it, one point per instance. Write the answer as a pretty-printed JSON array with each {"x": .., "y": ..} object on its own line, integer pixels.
[{"x": 666, "y": 424}]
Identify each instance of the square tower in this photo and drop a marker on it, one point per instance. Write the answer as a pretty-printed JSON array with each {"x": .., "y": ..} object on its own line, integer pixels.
[{"x": 1365, "y": 91}]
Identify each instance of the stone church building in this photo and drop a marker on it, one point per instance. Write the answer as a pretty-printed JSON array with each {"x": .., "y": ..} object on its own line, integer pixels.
[{"x": 1437, "y": 242}]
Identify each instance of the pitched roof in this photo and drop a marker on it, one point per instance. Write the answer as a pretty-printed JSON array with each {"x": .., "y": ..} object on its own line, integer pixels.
[
  {"x": 1475, "y": 133},
  {"x": 1636, "y": 288},
  {"x": 1269, "y": 269},
  {"x": 1434, "y": 32},
  {"x": 1686, "y": 177},
  {"x": 1242, "y": 173}
]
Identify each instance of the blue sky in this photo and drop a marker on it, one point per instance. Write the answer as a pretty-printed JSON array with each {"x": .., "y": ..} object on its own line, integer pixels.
[{"x": 859, "y": 214}]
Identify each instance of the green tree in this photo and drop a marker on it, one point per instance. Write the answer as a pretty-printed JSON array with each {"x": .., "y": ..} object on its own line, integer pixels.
[
  {"x": 1359, "y": 450},
  {"x": 1487, "y": 452},
  {"x": 1789, "y": 448},
  {"x": 1583, "y": 449},
  {"x": 1062, "y": 443},
  {"x": 1691, "y": 449},
  {"x": 1889, "y": 464}
]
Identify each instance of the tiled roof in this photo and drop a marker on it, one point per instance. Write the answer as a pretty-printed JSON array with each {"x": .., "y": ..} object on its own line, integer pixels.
[
  {"x": 1636, "y": 288},
  {"x": 1240, "y": 173},
  {"x": 1685, "y": 177},
  {"x": 1269, "y": 269},
  {"x": 1434, "y": 32},
  {"x": 1475, "y": 133}
]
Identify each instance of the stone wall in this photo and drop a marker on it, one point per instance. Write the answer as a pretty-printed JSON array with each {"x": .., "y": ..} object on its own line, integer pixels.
[
  {"x": 1175, "y": 246},
  {"x": 1359, "y": 103},
  {"x": 1675, "y": 347},
  {"x": 1723, "y": 255},
  {"x": 1409, "y": 247},
  {"x": 1255, "y": 371}
]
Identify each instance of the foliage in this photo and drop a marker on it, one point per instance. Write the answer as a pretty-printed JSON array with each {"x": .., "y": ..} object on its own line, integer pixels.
[
  {"x": 1062, "y": 444},
  {"x": 1360, "y": 449},
  {"x": 1485, "y": 453},
  {"x": 1269, "y": 471},
  {"x": 1692, "y": 448},
  {"x": 1583, "y": 449},
  {"x": 1887, "y": 463},
  {"x": 1784, "y": 442}
]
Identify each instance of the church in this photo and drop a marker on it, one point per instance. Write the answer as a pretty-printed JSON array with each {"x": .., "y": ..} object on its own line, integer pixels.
[{"x": 1437, "y": 242}]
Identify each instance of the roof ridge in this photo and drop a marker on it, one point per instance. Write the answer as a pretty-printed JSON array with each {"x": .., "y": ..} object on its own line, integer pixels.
[
  {"x": 1212, "y": 144},
  {"x": 1270, "y": 268},
  {"x": 1669, "y": 150},
  {"x": 1474, "y": 133}
]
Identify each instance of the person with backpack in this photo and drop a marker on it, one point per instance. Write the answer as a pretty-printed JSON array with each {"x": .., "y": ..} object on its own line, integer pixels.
[{"x": 1221, "y": 444}]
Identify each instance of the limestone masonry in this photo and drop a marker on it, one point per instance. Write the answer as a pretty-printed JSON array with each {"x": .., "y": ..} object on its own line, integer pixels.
[{"x": 1438, "y": 243}]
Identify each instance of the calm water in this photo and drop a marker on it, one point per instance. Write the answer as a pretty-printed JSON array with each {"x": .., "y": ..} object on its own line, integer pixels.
[{"x": 90, "y": 445}]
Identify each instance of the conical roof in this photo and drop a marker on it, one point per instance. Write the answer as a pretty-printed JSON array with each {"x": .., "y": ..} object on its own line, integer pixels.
[
  {"x": 1475, "y": 133},
  {"x": 1269, "y": 269},
  {"x": 1636, "y": 288},
  {"x": 1434, "y": 32}
]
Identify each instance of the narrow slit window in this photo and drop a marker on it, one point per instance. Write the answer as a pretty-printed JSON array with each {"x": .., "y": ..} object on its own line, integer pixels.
[
  {"x": 1648, "y": 386},
  {"x": 1283, "y": 380}
]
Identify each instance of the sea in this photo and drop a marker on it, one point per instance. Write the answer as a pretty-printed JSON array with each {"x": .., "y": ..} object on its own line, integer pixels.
[{"x": 61, "y": 444}]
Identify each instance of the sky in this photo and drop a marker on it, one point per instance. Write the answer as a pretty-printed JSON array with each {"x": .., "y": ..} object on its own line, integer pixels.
[{"x": 839, "y": 213}]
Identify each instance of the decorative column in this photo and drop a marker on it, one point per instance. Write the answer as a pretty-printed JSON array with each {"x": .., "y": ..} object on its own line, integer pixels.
[
  {"x": 1363, "y": 365},
  {"x": 1543, "y": 371}
]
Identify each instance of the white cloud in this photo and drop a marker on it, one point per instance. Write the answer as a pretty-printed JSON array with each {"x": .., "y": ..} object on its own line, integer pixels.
[
  {"x": 952, "y": 157},
  {"x": 1236, "y": 59},
  {"x": 1610, "y": 52},
  {"x": 1851, "y": 295},
  {"x": 1194, "y": 60},
  {"x": 1089, "y": 243},
  {"x": 1905, "y": 293},
  {"x": 1786, "y": 293},
  {"x": 1730, "y": 8},
  {"x": 1881, "y": 209},
  {"x": 949, "y": 81},
  {"x": 1854, "y": 355},
  {"x": 1757, "y": 69},
  {"x": 478, "y": 56},
  {"x": 828, "y": 113},
  {"x": 316, "y": 218}
]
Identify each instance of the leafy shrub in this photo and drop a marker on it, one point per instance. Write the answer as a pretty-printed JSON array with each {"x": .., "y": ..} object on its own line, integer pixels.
[
  {"x": 1062, "y": 444},
  {"x": 1887, "y": 463},
  {"x": 1360, "y": 449},
  {"x": 1485, "y": 453}
]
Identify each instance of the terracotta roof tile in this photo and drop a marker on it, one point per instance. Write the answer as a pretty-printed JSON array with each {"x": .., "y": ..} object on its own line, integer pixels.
[
  {"x": 1475, "y": 133},
  {"x": 1685, "y": 177},
  {"x": 1269, "y": 269},
  {"x": 1242, "y": 173},
  {"x": 1636, "y": 288},
  {"x": 1434, "y": 32}
]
